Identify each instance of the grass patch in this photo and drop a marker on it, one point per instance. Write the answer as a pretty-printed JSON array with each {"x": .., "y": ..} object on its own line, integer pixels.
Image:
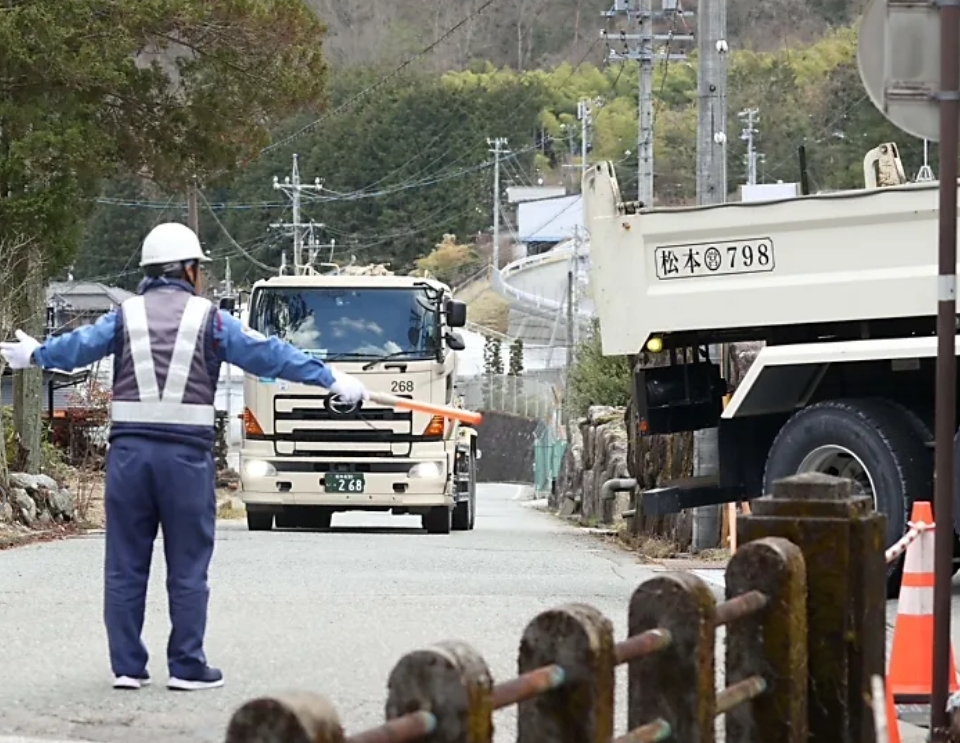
[
  {"x": 719, "y": 554},
  {"x": 471, "y": 291},
  {"x": 647, "y": 547},
  {"x": 490, "y": 310},
  {"x": 230, "y": 507}
]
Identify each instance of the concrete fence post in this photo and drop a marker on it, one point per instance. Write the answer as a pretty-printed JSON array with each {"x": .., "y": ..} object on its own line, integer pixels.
[
  {"x": 771, "y": 643},
  {"x": 452, "y": 681},
  {"x": 579, "y": 639},
  {"x": 842, "y": 541},
  {"x": 677, "y": 684}
]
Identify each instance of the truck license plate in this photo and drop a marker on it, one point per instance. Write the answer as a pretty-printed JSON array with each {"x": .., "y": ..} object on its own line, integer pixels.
[
  {"x": 343, "y": 482},
  {"x": 714, "y": 259}
]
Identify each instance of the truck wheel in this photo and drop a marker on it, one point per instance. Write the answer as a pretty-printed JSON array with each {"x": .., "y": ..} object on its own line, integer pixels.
[
  {"x": 437, "y": 520},
  {"x": 464, "y": 513},
  {"x": 461, "y": 515},
  {"x": 259, "y": 520},
  {"x": 473, "y": 492},
  {"x": 873, "y": 442}
]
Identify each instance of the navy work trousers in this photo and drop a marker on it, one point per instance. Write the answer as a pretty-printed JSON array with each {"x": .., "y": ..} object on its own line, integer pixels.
[{"x": 153, "y": 483}]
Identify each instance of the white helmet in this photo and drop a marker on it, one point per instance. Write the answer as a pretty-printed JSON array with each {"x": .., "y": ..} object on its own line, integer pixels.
[{"x": 171, "y": 242}]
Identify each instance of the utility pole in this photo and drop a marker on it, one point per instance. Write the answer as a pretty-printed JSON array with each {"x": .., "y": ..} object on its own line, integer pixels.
[
  {"x": 711, "y": 189},
  {"x": 585, "y": 107},
  {"x": 585, "y": 114},
  {"x": 640, "y": 46},
  {"x": 574, "y": 315},
  {"x": 747, "y": 135},
  {"x": 193, "y": 207},
  {"x": 570, "y": 352},
  {"x": 228, "y": 292},
  {"x": 293, "y": 187},
  {"x": 497, "y": 144}
]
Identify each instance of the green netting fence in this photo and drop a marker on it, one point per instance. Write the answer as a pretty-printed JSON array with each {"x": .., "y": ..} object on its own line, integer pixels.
[{"x": 548, "y": 452}]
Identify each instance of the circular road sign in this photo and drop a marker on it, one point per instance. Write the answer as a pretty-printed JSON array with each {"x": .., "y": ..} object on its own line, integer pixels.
[{"x": 898, "y": 53}]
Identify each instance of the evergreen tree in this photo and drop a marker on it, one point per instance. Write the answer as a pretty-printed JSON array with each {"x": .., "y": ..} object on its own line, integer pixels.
[{"x": 516, "y": 357}]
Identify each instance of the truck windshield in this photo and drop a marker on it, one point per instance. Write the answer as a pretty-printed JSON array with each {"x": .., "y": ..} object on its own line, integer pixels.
[{"x": 342, "y": 323}]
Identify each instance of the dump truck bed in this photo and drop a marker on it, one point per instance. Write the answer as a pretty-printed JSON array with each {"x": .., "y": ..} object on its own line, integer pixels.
[{"x": 846, "y": 256}]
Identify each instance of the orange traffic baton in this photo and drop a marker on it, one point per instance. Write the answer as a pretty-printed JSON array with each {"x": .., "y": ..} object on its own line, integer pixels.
[{"x": 469, "y": 417}]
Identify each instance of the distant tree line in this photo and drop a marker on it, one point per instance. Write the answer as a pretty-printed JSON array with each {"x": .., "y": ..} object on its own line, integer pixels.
[{"x": 410, "y": 163}]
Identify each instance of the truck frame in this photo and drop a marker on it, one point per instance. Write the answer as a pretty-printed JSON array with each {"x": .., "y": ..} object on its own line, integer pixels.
[
  {"x": 306, "y": 454},
  {"x": 840, "y": 288}
]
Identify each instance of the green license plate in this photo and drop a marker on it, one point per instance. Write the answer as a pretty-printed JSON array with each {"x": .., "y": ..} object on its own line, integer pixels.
[{"x": 343, "y": 482}]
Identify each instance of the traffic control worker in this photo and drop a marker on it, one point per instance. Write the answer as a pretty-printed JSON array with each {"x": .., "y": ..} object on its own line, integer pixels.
[{"x": 168, "y": 344}]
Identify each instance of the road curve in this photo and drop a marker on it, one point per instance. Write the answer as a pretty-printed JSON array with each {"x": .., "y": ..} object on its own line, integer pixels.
[
  {"x": 327, "y": 611},
  {"x": 549, "y": 281}
]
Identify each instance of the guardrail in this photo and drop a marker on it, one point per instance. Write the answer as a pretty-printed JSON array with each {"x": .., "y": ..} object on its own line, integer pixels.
[
  {"x": 503, "y": 337},
  {"x": 563, "y": 252},
  {"x": 805, "y": 636}
]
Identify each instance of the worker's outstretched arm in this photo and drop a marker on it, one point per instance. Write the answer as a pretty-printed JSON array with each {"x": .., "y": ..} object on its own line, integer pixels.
[
  {"x": 268, "y": 357},
  {"x": 78, "y": 348}
]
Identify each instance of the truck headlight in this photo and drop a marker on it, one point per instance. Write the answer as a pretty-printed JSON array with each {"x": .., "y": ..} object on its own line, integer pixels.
[
  {"x": 259, "y": 468},
  {"x": 425, "y": 470}
]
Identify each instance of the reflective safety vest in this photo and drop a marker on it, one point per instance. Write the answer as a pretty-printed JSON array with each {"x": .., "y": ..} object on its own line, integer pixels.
[{"x": 166, "y": 367}]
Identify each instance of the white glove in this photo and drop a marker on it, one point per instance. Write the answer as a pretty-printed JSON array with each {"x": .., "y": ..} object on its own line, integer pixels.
[
  {"x": 19, "y": 355},
  {"x": 347, "y": 388}
]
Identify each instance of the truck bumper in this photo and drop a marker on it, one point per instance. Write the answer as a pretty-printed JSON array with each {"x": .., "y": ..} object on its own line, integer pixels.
[{"x": 381, "y": 490}]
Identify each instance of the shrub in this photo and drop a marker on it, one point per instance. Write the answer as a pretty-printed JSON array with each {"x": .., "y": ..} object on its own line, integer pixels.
[
  {"x": 595, "y": 379},
  {"x": 450, "y": 261}
]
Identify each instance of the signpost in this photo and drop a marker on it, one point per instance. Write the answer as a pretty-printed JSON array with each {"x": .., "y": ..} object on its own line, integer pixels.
[{"x": 909, "y": 58}]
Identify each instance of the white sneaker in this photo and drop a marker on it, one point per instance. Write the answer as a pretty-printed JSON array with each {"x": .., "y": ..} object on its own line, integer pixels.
[
  {"x": 211, "y": 678},
  {"x": 130, "y": 682}
]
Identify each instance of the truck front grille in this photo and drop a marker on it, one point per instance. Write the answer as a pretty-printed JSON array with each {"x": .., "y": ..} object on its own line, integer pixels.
[{"x": 306, "y": 426}]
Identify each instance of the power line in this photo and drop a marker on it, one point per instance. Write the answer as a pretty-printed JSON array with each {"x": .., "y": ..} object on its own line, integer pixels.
[
  {"x": 844, "y": 112},
  {"x": 226, "y": 232}
]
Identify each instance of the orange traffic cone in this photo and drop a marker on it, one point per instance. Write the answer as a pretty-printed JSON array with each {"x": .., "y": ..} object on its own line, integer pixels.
[
  {"x": 910, "y": 677},
  {"x": 893, "y": 727}
]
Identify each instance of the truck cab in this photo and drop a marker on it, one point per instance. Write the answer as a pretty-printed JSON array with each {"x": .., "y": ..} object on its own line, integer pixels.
[{"x": 306, "y": 454}]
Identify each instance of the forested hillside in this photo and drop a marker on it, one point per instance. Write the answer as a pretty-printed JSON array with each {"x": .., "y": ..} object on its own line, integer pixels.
[
  {"x": 407, "y": 161},
  {"x": 526, "y": 34}
]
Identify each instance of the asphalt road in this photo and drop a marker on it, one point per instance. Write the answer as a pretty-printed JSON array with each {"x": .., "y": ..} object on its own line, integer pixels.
[{"x": 326, "y": 611}]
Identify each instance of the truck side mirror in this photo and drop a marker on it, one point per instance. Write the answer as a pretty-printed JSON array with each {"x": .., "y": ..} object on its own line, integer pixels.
[
  {"x": 229, "y": 304},
  {"x": 456, "y": 313},
  {"x": 455, "y": 341}
]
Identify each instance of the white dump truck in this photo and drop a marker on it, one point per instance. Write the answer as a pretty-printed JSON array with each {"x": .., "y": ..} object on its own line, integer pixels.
[
  {"x": 306, "y": 454},
  {"x": 840, "y": 288}
]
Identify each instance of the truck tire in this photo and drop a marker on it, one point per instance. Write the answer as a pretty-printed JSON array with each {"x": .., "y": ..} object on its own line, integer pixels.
[
  {"x": 437, "y": 520},
  {"x": 872, "y": 441},
  {"x": 473, "y": 491},
  {"x": 464, "y": 513},
  {"x": 259, "y": 520},
  {"x": 923, "y": 424},
  {"x": 461, "y": 516}
]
